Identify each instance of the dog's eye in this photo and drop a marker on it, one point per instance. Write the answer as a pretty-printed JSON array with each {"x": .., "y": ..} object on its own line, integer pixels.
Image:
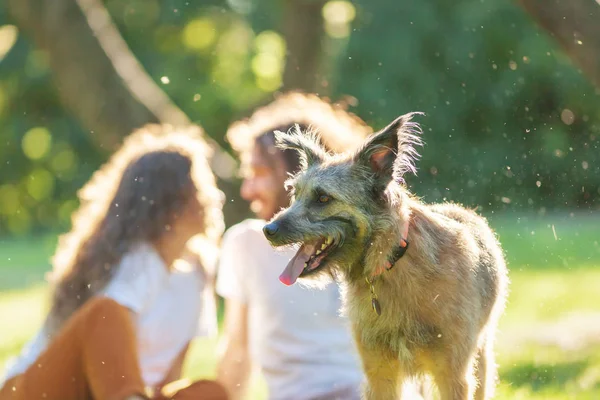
[{"x": 324, "y": 198}]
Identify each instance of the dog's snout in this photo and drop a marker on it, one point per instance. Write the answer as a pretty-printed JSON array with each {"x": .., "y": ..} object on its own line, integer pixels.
[{"x": 271, "y": 229}]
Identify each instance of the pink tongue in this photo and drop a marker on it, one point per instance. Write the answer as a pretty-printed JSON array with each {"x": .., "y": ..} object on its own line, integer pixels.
[{"x": 296, "y": 265}]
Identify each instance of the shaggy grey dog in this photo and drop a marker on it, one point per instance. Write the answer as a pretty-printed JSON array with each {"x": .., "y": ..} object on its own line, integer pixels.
[{"x": 424, "y": 284}]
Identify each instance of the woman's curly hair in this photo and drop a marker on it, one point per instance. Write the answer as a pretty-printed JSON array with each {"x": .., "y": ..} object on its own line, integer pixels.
[
  {"x": 132, "y": 199},
  {"x": 338, "y": 129}
]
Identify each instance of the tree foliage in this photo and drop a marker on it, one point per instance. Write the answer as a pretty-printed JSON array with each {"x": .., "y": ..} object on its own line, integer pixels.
[{"x": 510, "y": 122}]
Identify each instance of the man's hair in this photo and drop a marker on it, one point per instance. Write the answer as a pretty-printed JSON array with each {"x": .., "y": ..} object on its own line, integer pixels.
[
  {"x": 267, "y": 146},
  {"x": 338, "y": 129}
]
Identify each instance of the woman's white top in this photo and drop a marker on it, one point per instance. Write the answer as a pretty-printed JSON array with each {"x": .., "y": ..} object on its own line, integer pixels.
[{"x": 170, "y": 307}]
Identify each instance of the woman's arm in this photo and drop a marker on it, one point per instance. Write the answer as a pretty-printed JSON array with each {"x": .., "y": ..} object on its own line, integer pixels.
[
  {"x": 233, "y": 369},
  {"x": 174, "y": 373}
]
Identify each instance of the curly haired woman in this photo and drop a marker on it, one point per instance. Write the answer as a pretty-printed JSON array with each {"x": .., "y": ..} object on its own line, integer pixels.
[{"x": 123, "y": 312}]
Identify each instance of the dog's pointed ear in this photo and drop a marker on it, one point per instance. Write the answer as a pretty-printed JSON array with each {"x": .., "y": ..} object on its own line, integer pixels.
[
  {"x": 307, "y": 144},
  {"x": 390, "y": 153}
]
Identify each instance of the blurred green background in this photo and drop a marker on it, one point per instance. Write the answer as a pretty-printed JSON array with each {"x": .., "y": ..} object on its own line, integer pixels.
[{"x": 512, "y": 126}]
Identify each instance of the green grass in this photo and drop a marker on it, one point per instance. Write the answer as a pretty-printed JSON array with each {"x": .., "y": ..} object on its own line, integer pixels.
[
  {"x": 543, "y": 351},
  {"x": 24, "y": 262},
  {"x": 563, "y": 241}
]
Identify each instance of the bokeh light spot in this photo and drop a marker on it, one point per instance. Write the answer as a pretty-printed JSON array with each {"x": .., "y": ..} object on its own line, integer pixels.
[
  {"x": 338, "y": 16},
  {"x": 63, "y": 161},
  {"x": 8, "y": 37},
  {"x": 19, "y": 223},
  {"x": 199, "y": 34},
  {"x": 266, "y": 65},
  {"x": 268, "y": 62},
  {"x": 9, "y": 199},
  {"x": 36, "y": 143},
  {"x": 567, "y": 116},
  {"x": 339, "y": 12},
  {"x": 40, "y": 184},
  {"x": 271, "y": 43},
  {"x": 268, "y": 84}
]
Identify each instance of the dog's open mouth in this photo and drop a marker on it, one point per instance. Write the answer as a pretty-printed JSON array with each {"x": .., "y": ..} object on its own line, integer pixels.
[{"x": 307, "y": 260}]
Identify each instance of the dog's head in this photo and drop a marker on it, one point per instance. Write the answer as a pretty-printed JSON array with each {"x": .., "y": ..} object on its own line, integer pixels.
[{"x": 339, "y": 200}]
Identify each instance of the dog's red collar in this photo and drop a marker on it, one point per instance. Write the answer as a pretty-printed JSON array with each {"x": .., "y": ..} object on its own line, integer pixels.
[{"x": 397, "y": 252}]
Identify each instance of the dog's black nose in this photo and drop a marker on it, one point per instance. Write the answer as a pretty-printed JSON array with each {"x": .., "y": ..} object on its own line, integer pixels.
[{"x": 271, "y": 229}]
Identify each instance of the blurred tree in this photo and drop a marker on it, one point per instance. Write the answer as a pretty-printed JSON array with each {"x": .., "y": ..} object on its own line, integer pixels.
[
  {"x": 98, "y": 79},
  {"x": 575, "y": 24},
  {"x": 97, "y": 76},
  {"x": 509, "y": 124},
  {"x": 303, "y": 30},
  {"x": 88, "y": 83}
]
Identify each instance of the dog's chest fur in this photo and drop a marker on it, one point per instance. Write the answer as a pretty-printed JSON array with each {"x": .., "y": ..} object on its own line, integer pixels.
[
  {"x": 436, "y": 296},
  {"x": 399, "y": 329}
]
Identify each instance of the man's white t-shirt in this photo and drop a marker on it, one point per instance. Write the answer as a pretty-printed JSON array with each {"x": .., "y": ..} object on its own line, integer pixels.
[
  {"x": 302, "y": 345},
  {"x": 168, "y": 307}
]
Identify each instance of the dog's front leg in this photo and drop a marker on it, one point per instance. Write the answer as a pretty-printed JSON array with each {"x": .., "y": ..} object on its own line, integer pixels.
[
  {"x": 454, "y": 378},
  {"x": 381, "y": 368}
]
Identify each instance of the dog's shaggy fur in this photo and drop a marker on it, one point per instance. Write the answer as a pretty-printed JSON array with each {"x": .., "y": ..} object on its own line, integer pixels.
[{"x": 441, "y": 301}]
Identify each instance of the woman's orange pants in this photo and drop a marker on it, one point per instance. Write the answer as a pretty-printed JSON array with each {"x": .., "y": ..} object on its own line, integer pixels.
[{"x": 94, "y": 357}]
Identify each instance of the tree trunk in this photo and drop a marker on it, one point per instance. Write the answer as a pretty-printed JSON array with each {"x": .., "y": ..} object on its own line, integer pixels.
[
  {"x": 87, "y": 82},
  {"x": 303, "y": 29},
  {"x": 575, "y": 24},
  {"x": 98, "y": 78}
]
